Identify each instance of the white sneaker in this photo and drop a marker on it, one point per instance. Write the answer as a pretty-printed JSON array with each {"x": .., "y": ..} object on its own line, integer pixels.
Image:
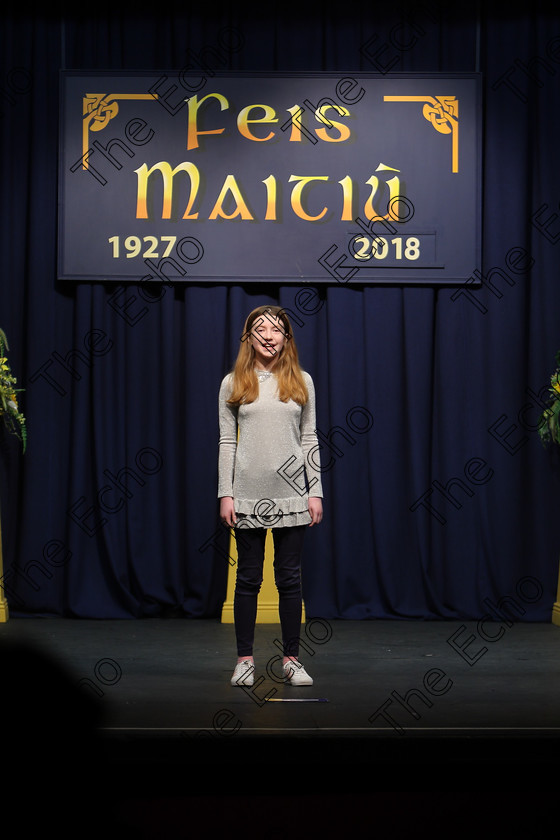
[
  {"x": 243, "y": 674},
  {"x": 296, "y": 674}
]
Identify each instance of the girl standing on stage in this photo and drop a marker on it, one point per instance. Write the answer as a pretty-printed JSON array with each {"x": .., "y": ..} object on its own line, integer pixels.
[{"x": 269, "y": 477}]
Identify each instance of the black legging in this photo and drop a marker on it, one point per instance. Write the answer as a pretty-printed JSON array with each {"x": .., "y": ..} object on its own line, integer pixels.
[{"x": 288, "y": 543}]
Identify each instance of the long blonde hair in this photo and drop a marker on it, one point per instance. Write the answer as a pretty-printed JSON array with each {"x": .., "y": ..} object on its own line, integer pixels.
[{"x": 289, "y": 377}]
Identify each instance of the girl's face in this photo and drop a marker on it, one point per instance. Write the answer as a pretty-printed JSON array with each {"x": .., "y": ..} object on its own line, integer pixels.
[{"x": 268, "y": 337}]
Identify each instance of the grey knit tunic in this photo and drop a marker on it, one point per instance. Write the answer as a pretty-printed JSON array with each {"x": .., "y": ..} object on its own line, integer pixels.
[{"x": 273, "y": 466}]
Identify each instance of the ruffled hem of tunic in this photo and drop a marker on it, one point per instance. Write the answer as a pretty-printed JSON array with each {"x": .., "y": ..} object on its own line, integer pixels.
[
  {"x": 288, "y": 520},
  {"x": 260, "y": 508}
]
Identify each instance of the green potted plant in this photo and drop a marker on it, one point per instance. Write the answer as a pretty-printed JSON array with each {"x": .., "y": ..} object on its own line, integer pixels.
[
  {"x": 13, "y": 419},
  {"x": 549, "y": 426}
]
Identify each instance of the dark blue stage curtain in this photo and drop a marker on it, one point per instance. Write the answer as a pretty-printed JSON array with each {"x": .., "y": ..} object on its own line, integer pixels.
[{"x": 440, "y": 502}]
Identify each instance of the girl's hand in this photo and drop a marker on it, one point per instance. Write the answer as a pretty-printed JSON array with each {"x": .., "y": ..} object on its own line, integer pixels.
[
  {"x": 227, "y": 512},
  {"x": 315, "y": 507}
]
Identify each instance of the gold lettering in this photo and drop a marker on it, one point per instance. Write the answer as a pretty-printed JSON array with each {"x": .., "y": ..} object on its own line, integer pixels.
[
  {"x": 230, "y": 186},
  {"x": 394, "y": 185},
  {"x": 192, "y": 127},
  {"x": 348, "y": 197},
  {"x": 270, "y": 184},
  {"x": 325, "y": 133},
  {"x": 168, "y": 176},
  {"x": 297, "y": 195},
  {"x": 243, "y": 121}
]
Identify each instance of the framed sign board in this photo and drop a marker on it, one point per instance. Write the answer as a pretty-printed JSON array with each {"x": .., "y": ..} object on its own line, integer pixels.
[{"x": 318, "y": 178}]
